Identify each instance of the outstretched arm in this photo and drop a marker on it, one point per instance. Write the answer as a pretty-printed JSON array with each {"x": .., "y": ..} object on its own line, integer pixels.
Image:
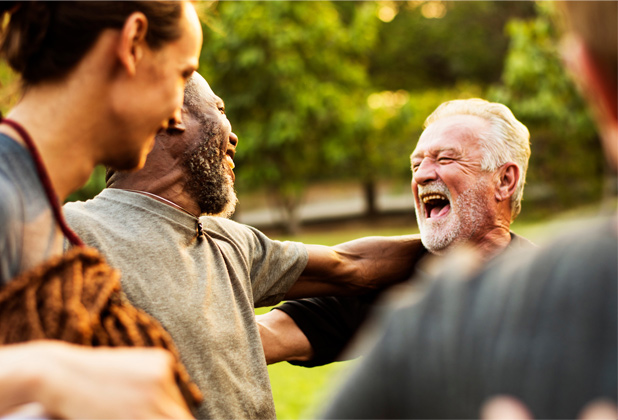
[
  {"x": 312, "y": 332},
  {"x": 357, "y": 266}
]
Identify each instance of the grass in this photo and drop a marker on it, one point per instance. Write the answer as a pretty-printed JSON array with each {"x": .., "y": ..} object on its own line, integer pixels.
[{"x": 301, "y": 393}]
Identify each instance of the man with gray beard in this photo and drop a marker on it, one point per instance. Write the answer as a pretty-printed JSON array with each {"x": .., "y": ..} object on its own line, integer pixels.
[
  {"x": 468, "y": 175},
  {"x": 469, "y": 169},
  {"x": 202, "y": 276}
]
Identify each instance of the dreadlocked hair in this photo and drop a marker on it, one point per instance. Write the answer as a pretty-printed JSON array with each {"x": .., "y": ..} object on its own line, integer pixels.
[{"x": 76, "y": 297}]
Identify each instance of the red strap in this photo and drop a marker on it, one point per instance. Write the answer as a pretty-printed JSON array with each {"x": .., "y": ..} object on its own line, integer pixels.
[{"x": 46, "y": 181}]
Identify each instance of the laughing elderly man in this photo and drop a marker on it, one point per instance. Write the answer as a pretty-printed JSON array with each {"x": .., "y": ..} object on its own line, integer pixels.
[
  {"x": 201, "y": 276},
  {"x": 468, "y": 175}
]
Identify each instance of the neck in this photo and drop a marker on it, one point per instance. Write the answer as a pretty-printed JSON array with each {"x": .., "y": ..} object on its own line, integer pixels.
[
  {"x": 492, "y": 242},
  {"x": 168, "y": 187},
  {"x": 63, "y": 139}
]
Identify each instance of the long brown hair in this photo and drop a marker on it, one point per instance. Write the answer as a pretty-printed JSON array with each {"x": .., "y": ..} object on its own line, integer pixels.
[{"x": 44, "y": 40}]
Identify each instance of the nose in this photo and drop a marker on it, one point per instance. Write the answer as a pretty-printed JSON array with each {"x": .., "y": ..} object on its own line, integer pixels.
[
  {"x": 233, "y": 139},
  {"x": 176, "y": 117},
  {"x": 425, "y": 172}
]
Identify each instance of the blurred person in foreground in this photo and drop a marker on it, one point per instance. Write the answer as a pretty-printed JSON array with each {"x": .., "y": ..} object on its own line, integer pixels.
[
  {"x": 539, "y": 326},
  {"x": 468, "y": 175},
  {"x": 201, "y": 274},
  {"x": 99, "y": 80}
]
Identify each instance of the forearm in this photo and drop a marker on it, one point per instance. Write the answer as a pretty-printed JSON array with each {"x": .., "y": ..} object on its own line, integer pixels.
[
  {"x": 377, "y": 261},
  {"x": 129, "y": 382},
  {"x": 19, "y": 383},
  {"x": 282, "y": 340},
  {"x": 358, "y": 266}
]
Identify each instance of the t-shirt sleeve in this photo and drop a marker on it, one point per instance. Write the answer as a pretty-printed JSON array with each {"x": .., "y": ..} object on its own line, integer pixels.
[
  {"x": 275, "y": 267},
  {"x": 329, "y": 323}
]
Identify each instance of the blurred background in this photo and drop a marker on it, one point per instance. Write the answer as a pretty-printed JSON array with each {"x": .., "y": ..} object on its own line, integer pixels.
[{"x": 328, "y": 99}]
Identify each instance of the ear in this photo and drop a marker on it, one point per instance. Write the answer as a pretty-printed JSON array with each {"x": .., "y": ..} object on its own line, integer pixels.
[
  {"x": 508, "y": 177},
  {"x": 133, "y": 41}
]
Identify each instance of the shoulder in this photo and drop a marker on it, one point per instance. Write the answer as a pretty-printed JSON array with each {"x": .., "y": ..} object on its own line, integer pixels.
[
  {"x": 577, "y": 269},
  {"x": 11, "y": 199},
  {"x": 78, "y": 210},
  {"x": 518, "y": 241},
  {"x": 220, "y": 227},
  {"x": 92, "y": 214},
  {"x": 19, "y": 183}
]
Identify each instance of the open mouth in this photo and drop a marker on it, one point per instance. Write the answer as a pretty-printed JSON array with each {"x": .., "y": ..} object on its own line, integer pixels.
[
  {"x": 230, "y": 161},
  {"x": 436, "y": 205},
  {"x": 229, "y": 157}
]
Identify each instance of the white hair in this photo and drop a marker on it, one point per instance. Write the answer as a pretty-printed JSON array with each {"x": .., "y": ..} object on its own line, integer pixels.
[{"x": 507, "y": 139}]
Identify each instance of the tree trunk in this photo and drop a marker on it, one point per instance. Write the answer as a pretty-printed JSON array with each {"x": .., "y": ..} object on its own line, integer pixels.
[{"x": 369, "y": 191}]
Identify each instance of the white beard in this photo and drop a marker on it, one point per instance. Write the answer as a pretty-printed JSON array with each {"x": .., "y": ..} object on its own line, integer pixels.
[{"x": 468, "y": 213}]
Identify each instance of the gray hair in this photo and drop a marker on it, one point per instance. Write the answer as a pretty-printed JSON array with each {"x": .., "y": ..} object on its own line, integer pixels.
[{"x": 507, "y": 139}]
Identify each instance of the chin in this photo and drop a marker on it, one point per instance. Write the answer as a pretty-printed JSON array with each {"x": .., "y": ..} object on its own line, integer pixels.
[
  {"x": 230, "y": 206},
  {"x": 126, "y": 162}
]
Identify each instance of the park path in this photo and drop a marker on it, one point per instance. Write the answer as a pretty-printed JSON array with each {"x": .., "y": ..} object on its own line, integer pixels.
[{"x": 328, "y": 203}]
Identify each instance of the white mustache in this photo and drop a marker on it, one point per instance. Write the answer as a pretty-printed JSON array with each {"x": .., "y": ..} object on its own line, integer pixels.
[{"x": 438, "y": 187}]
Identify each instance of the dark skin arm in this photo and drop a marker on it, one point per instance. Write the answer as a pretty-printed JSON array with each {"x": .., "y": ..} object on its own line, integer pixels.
[
  {"x": 357, "y": 266},
  {"x": 351, "y": 268}
]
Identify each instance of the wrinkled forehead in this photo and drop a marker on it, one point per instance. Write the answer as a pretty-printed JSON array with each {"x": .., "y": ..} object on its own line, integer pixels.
[{"x": 454, "y": 132}]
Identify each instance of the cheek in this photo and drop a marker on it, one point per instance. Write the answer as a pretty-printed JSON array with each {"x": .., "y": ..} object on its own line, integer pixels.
[{"x": 414, "y": 188}]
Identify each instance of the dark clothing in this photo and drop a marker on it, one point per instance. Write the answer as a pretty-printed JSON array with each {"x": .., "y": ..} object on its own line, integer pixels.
[
  {"x": 330, "y": 322},
  {"x": 540, "y": 326}
]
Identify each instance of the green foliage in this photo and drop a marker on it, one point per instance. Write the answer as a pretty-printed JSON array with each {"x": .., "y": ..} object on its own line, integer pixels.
[
  {"x": 9, "y": 88},
  {"x": 438, "y": 44},
  {"x": 387, "y": 131},
  {"x": 301, "y": 81},
  {"x": 326, "y": 90},
  {"x": 293, "y": 75},
  {"x": 566, "y": 154}
]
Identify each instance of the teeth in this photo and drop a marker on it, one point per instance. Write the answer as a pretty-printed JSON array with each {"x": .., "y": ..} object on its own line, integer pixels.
[
  {"x": 230, "y": 161},
  {"x": 433, "y": 197}
]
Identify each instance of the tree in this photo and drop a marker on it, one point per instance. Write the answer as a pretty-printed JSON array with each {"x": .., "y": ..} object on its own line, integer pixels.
[
  {"x": 437, "y": 44},
  {"x": 293, "y": 75}
]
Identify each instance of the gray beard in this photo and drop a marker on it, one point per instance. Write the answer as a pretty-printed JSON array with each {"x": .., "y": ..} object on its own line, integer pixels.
[
  {"x": 209, "y": 181},
  {"x": 468, "y": 213}
]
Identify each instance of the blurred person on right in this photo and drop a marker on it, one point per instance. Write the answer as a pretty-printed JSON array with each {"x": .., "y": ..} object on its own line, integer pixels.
[{"x": 537, "y": 326}]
